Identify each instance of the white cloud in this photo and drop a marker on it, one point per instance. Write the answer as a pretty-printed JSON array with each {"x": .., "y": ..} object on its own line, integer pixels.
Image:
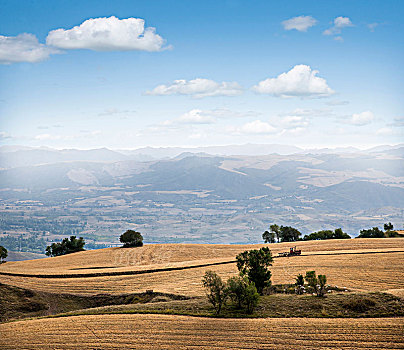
[
  {"x": 53, "y": 137},
  {"x": 372, "y": 26},
  {"x": 300, "y": 23},
  {"x": 198, "y": 88},
  {"x": 360, "y": 119},
  {"x": 385, "y": 132},
  {"x": 337, "y": 103},
  {"x": 108, "y": 34},
  {"x": 294, "y": 121},
  {"x": 23, "y": 48},
  {"x": 339, "y": 24},
  {"x": 300, "y": 81},
  {"x": 256, "y": 127},
  {"x": 195, "y": 116}
]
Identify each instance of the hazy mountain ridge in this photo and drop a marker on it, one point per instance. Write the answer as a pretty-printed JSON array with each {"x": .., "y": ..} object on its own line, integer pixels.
[{"x": 208, "y": 197}]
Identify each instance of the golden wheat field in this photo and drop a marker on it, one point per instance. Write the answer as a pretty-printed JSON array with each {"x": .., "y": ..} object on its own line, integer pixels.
[
  {"x": 181, "y": 332},
  {"x": 377, "y": 270},
  {"x": 156, "y": 256}
]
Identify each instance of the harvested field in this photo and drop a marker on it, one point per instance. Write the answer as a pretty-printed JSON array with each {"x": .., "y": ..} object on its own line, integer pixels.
[
  {"x": 182, "y": 332},
  {"x": 155, "y": 256},
  {"x": 364, "y": 272}
]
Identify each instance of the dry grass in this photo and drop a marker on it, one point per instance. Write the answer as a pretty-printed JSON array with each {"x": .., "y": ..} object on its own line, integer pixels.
[
  {"x": 156, "y": 256},
  {"x": 364, "y": 272},
  {"x": 181, "y": 332}
]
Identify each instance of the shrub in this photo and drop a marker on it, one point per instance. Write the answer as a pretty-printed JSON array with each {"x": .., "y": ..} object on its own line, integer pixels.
[
  {"x": 131, "y": 239},
  {"x": 316, "y": 284},
  {"x": 251, "y": 297},
  {"x": 216, "y": 290}
]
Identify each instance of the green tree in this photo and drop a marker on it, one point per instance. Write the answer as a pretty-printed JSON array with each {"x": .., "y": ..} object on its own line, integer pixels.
[
  {"x": 327, "y": 234},
  {"x": 299, "y": 284},
  {"x": 67, "y": 246},
  {"x": 236, "y": 289},
  {"x": 216, "y": 290},
  {"x": 322, "y": 280},
  {"x": 251, "y": 297},
  {"x": 254, "y": 264},
  {"x": 268, "y": 237},
  {"x": 275, "y": 230},
  {"x": 311, "y": 279},
  {"x": 3, "y": 253},
  {"x": 388, "y": 227},
  {"x": 374, "y": 232},
  {"x": 131, "y": 239},
  {"x": 289, "y": 234}
]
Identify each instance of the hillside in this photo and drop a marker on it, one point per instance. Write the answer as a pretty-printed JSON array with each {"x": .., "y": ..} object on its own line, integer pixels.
[{"x": 360, "y": 264}]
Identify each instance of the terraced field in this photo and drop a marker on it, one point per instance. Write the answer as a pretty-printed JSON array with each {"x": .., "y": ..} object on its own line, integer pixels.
[{"x": 181, "y": 332}]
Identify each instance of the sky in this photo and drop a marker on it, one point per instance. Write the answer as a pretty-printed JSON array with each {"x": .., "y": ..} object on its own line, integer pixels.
[{"x": 130, "y": 74}]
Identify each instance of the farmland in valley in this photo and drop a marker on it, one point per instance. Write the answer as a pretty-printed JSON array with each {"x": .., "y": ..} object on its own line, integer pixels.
[{"x": 359, "y": 265}]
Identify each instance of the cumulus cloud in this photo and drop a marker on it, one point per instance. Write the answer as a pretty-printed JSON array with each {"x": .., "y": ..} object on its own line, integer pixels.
[
  {"x": 300, "y": 81},
  {"x": 198, "y": 88},
  {"x": 360, "y": 119},
  {"x": 300, "y": 23},
  {"x": 256, "y": 127},
  {"x": 339, "y": 24},
  {"x": 107, "y": 34},
  {"x": 23, "y": 48}
]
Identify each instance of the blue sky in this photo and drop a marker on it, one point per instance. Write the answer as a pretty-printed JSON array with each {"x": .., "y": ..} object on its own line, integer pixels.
[{"x": 312, "y": 74}]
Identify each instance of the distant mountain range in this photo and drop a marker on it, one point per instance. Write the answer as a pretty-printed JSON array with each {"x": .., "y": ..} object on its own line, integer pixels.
[{"x": 199, "y": 193}]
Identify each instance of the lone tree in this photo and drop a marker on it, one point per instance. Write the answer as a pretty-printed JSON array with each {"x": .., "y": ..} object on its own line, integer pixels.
[
  {"x": 254, "y": 264},
  {"x": 67, "y": 246},
  {"x": 3, "y": 253},
  {"x": 216, "y": 290},
  {"x": 131, "y": 239},
  {"x": 388, "y": 227}
]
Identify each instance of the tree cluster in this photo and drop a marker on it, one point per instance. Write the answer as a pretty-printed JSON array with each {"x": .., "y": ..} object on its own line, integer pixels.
[
  {"x": 67, "y": 246},
  {"x": 327, "y": 234},
  {"x": 239, "y": 289},
  {"x": 243, "y": 290},
  {"x": 281, "y": 234},
  {"x": 375, "y": 232}
]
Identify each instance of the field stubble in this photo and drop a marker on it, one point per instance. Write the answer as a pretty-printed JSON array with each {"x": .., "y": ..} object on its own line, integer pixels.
[{"x": 181, "y": 332}]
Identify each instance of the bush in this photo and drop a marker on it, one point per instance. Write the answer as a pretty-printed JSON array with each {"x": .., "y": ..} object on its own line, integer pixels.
[
  {"x": 131, "y": 239},
  {"x": 67, "y": 246},
  {"x": 216, "y": 290},
  {"x": 359, "y": 304},
  {"x": 243, "y": 293},
  {"x": 254, "y": 264}
]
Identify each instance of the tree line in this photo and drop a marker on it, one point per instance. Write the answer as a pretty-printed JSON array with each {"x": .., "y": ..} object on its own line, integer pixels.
[{"x": 277, "y": 234}]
